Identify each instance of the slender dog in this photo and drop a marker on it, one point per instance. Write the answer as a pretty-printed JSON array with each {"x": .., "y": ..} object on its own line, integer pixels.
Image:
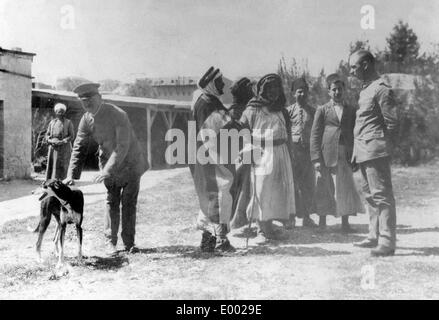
[{"x": 67, "y": 206}]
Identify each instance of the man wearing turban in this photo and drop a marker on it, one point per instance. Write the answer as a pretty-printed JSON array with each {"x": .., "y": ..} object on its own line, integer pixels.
[{"x": 59, "y": 135}]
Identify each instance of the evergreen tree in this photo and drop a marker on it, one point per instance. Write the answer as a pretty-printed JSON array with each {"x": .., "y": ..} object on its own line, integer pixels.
[{"x": 401, "y": 54}]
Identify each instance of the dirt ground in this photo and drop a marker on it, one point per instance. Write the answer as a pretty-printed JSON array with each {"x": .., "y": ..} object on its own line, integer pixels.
[
  {"x": 17, "y": 188},
  {"x": 310, "y": 265}
]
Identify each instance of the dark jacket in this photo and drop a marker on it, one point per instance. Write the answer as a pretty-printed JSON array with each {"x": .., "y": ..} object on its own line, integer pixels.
[
  {"x": 203, "y": 108},
  {"x": 376, "y": 122},
  {"x": 328, "y": 132},
  {"x": 301, "y": 120},
  {"x": 120, "y": 155}
]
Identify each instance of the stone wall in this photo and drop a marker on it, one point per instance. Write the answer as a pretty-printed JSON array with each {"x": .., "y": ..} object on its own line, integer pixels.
[{"x": 16, "y": 94}]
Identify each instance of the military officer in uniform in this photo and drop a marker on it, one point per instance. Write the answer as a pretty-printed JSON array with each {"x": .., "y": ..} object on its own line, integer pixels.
[
  {"x": 121, "y": 162},
  {"x": 375, "y": 127}
]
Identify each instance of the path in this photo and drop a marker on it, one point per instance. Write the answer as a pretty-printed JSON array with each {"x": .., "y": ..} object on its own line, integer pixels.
[{"x": 29, "y": 205}]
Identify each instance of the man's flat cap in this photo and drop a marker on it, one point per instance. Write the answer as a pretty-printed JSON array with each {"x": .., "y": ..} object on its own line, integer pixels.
[
  {"x": 87, "y": 89},
  {"x": 333, "y": 78}
]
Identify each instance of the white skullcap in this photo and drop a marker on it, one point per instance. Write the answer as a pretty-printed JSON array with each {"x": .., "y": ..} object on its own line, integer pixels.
[{"x": 60, "y": 106}]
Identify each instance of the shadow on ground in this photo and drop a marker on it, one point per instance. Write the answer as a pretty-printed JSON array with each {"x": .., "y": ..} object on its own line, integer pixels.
[
  {"x": 408, "y": 230},
  {"x": 271, "y": 248},
  {"x": 331, "y": 234},
  {"x": 102, "y": 263},
  {"x": 418, "y": 251}
]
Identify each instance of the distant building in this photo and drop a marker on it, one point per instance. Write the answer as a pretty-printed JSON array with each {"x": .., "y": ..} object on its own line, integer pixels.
[
  {"x": 15, "y": 113},
  {"x": 182, "y": 88},
  {"x": 41, "y": 85}
]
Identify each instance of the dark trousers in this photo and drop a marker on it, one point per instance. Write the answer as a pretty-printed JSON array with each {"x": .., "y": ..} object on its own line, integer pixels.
[
  {"x": 304, "y": 181},
  {"x": 126, "y": 194},
  {"x": 378, "y": 191}
]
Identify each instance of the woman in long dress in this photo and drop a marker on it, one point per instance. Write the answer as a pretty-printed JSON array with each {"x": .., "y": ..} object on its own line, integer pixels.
[
  {"x": 60, "y": 134},
  {"x": 331, "y": 151},
  {"x": 272, "y": 186}
]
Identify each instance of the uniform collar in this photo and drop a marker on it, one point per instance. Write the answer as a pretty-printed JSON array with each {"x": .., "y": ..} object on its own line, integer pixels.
[
  {"x": 369, "y": 82},
  {"x": 94, "y": 114}
]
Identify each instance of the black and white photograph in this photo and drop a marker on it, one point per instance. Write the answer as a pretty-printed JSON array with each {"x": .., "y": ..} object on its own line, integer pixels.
[{"x": 203, "y": 150}]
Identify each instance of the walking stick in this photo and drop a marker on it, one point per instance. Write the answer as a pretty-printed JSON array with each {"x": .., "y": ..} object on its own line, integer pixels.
[
  {"x": 255, "y": 199},
  {"x": 253, "y": 208}
]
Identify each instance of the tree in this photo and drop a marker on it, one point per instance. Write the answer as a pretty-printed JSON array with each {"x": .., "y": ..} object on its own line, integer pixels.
[
  {"x": 109, "y": 85},
  {"x": 358, "y": 45},
  {"x": 318, "y": 93},
  {"x": 141, "y": 88},
  {"x": 401, "y": 54},
  {"x": 353, "y": 85}
]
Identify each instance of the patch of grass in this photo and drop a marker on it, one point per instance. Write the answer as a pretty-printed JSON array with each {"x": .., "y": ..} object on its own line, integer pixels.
[
  {"x": 18, "y": 226},
  {"x": 15, "y": 274}
]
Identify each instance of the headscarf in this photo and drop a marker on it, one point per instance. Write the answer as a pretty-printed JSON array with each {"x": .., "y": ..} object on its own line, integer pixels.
[
  {"x": 206, "y": 85},
  {"x": 260, "y": 100},
  {"x": 242, "y": 91},
  {"x": 211, "y": 87}
]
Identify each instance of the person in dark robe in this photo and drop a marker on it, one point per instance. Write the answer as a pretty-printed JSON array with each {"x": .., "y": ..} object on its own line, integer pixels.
[
  {"x": 212, "y": 177},
  {"x": 242, "y": 92}
]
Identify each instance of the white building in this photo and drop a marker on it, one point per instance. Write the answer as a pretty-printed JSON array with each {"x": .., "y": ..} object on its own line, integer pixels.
[{"x": 15, "y": 113}]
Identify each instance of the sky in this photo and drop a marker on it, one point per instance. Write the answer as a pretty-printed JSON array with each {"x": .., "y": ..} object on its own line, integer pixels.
[{"x": 128, "y": 39}]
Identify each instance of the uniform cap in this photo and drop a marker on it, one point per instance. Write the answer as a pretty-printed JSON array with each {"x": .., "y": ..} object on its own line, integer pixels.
[{"x": 87, "y": 89}]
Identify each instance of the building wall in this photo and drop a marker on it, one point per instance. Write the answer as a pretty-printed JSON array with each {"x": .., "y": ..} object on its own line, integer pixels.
[
  {"x": 16, "y": 94},
  {"x": 179, "y": 93}
]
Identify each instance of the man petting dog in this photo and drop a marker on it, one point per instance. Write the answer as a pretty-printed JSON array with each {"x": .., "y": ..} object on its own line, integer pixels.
[{"x": 121, "y": 162}]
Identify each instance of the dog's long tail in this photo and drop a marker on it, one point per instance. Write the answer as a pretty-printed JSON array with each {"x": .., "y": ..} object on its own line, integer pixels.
[{"x": 29, "y": 228}]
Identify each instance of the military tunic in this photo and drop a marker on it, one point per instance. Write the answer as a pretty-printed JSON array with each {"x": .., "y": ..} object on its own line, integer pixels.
[
  {"x": 376, "y": 125},
  {"x": 121, "y": 161}
]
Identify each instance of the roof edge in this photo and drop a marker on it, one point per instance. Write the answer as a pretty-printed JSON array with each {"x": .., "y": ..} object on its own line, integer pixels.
[{"x": 24, "y": 53}]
